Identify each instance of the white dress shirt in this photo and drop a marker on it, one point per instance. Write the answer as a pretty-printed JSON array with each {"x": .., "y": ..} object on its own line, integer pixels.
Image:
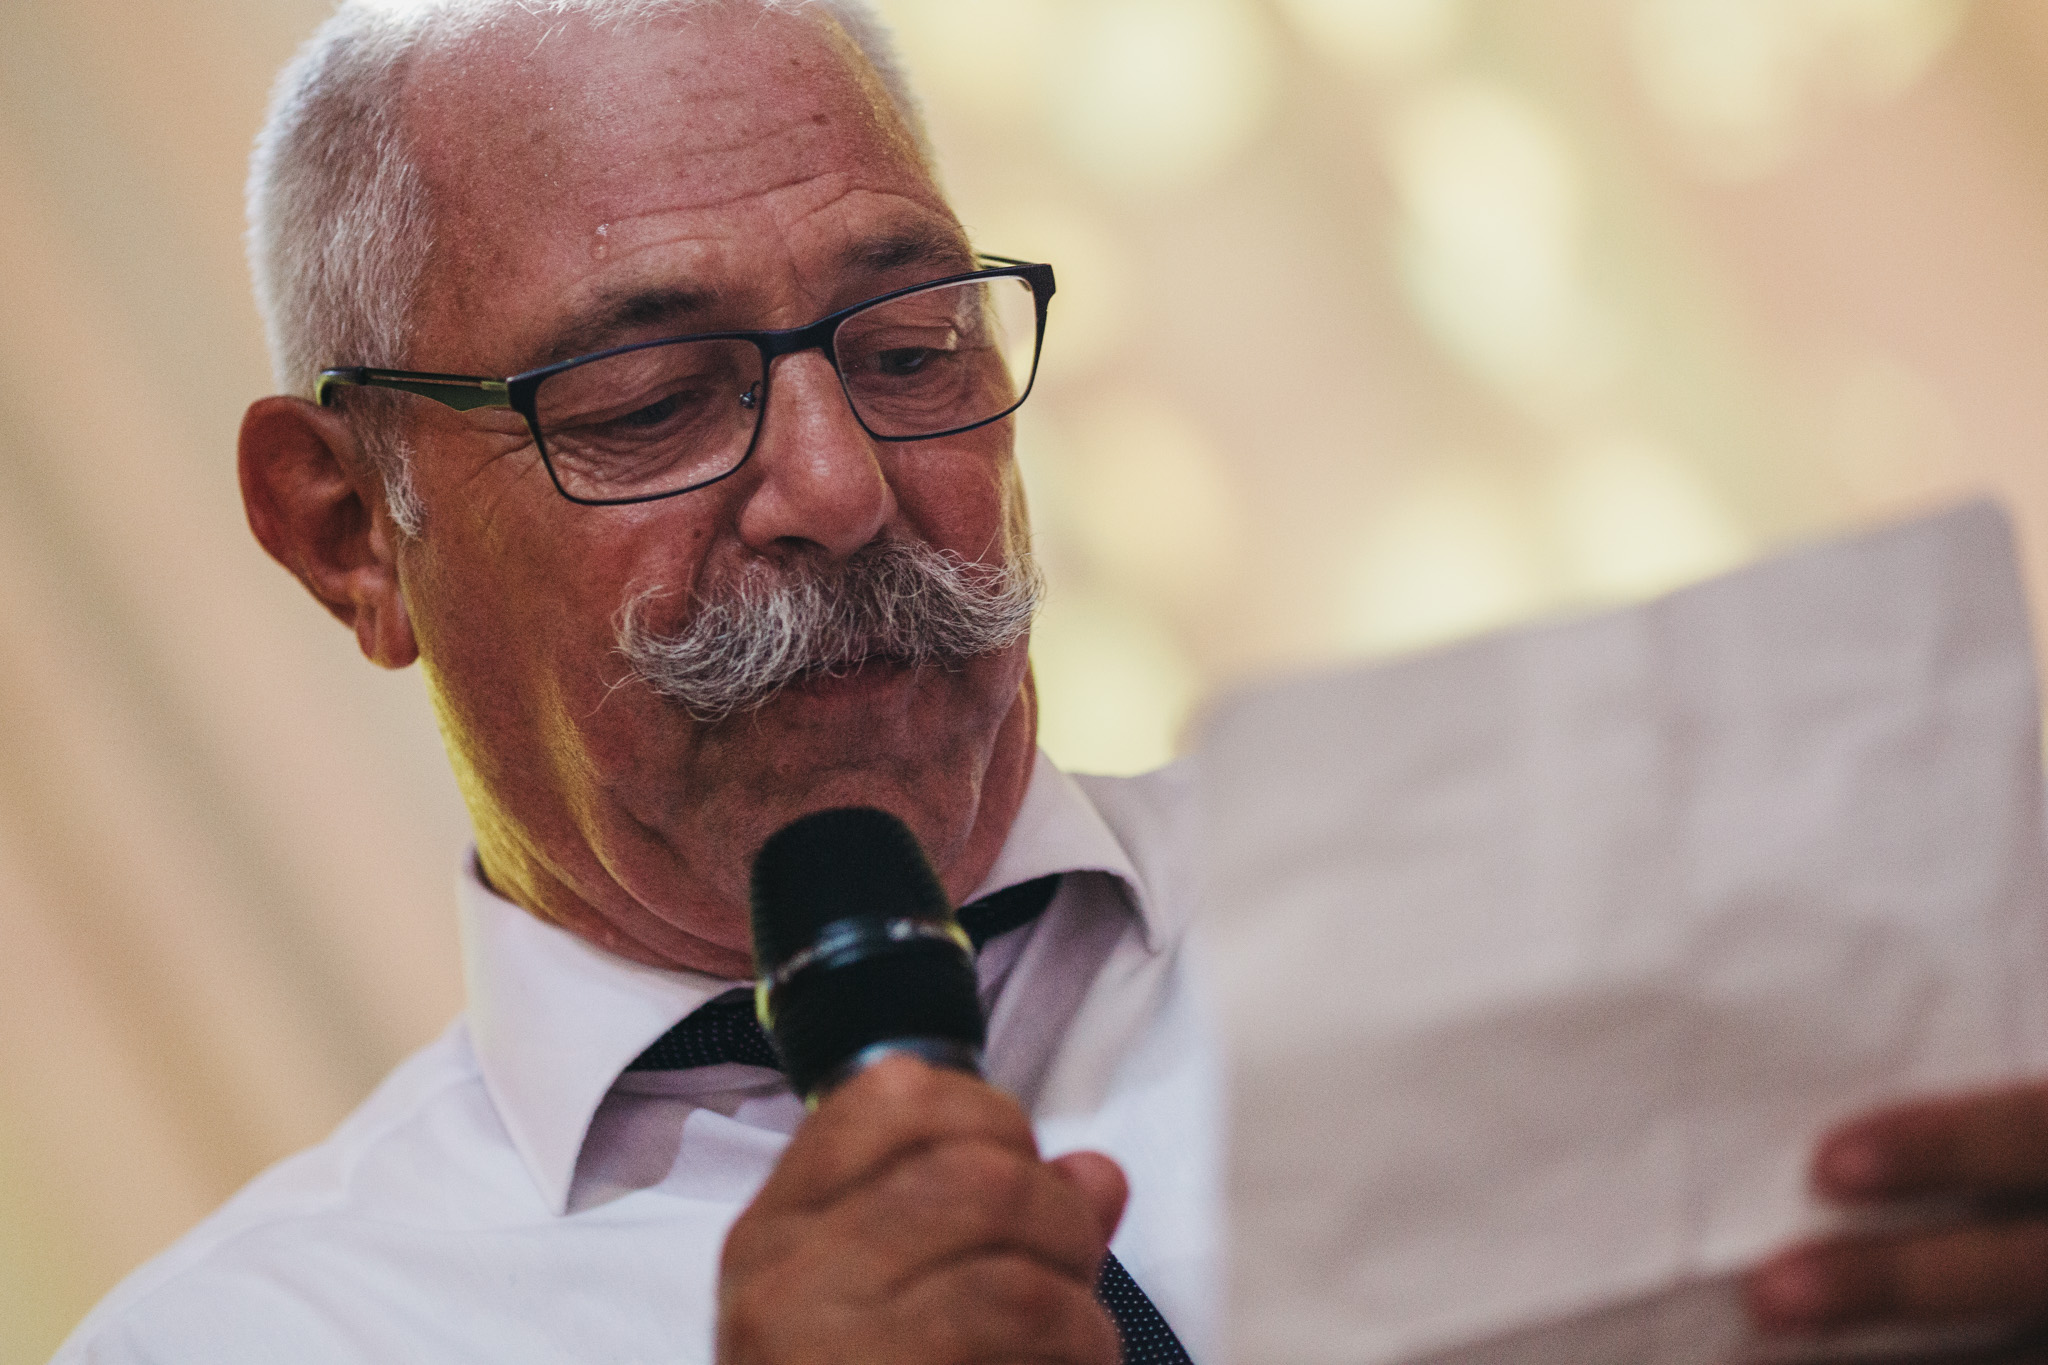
[{"x": 507, "y": 1195}]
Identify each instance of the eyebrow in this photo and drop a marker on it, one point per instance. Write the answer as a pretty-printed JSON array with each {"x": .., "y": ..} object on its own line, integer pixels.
[
  {"x": 622, "y": 313},
  {"x": 920, "y": 245}
]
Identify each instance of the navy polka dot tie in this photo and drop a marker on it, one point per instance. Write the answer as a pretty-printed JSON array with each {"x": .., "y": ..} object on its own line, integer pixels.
[{"x": 725, "y": 1030}]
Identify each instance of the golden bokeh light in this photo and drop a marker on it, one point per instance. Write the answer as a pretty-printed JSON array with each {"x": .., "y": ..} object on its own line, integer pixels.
[
  {"x": 1452, "y": 554},
  {"x": 1489, "y": 251},
  {"x": 948, "y": 44},
  {"x": 1630, "y": 519},
  {"x": 1748, "y": 82},
  {"x": 1157, "y": 95},
  {"x": 1379, "y": 37},
  {"x": 1154, "y": 507}
]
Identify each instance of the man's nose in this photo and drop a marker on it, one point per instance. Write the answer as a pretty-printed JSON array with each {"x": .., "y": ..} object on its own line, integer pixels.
[{"x": 818, "y": 484}]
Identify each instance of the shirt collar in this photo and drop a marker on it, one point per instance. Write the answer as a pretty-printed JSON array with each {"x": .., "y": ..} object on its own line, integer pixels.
[
  {"x": 1058, "y": 829},
  {"x": 555, "y": 1019}
]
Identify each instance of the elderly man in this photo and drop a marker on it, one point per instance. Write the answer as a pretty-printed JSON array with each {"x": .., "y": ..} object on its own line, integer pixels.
[{"x": 739, "y": 539}]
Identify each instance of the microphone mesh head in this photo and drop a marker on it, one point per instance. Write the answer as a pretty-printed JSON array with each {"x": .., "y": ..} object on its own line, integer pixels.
[{"x": 834, "y": 865}]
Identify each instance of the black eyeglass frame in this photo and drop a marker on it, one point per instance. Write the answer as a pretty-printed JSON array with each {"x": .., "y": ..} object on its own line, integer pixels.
[{"x": 519, "y": 392}]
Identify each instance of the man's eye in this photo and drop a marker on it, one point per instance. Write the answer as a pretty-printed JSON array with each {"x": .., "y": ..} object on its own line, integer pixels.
[
  {"x": 654, "y": 414},
  {"x": 903, "y": 361}
]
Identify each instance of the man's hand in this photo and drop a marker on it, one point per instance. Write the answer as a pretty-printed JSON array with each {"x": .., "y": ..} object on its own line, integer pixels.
[
  {"x": 910, "y": 1219},
  {"x": 1989, "y": 1150}
]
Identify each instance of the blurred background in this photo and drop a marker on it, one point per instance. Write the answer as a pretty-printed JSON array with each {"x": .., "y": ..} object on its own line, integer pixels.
[{"x": 1380, "y": 322}]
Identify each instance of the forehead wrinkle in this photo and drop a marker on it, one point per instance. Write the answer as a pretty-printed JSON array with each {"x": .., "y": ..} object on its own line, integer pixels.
[
  {"x": 835, "y": 184},
  {"x": 463, "y": 153}
]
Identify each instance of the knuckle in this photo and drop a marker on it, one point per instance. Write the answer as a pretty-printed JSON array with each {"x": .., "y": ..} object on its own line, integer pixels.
[
  {"x": 998, "y": 1181},
  {"x": 900, "y": 1080},
  {"x": 969, "y": 1178}
]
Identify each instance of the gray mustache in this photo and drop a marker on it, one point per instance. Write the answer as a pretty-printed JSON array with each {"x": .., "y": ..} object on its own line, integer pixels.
[{"x": 898, "y": 600}]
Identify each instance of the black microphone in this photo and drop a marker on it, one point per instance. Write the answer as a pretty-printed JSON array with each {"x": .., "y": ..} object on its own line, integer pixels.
[{"x": 857, "y": 951}]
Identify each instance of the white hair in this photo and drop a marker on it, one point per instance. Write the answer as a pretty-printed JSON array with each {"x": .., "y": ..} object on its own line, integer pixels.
[{"x": 340, "y": 230}]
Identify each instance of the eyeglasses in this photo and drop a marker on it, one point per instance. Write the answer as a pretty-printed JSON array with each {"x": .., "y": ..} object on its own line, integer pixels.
[{"x": 657, "y": 418}]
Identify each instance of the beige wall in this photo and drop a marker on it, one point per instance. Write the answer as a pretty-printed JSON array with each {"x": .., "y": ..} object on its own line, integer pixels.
[{"x": 1380, "y": 321}]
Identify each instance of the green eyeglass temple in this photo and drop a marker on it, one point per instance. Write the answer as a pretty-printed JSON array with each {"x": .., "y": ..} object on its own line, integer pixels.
[{"x": 461, "y": 392}]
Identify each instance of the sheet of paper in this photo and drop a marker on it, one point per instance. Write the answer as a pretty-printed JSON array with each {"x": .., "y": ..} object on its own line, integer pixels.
[{"x": 1541, "y": 961}]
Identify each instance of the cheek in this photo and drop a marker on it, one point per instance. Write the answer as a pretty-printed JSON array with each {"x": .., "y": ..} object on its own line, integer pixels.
[
  {"x": 959, "y": 495},
  {"x": 520, "y": 596}
]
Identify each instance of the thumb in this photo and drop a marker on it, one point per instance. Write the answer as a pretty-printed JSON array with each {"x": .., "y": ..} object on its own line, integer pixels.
[{"x": 1101, "y": 1182}]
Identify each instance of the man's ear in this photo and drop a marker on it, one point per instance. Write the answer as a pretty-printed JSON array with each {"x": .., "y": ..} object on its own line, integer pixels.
[{"x": 318, "y": 507}]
